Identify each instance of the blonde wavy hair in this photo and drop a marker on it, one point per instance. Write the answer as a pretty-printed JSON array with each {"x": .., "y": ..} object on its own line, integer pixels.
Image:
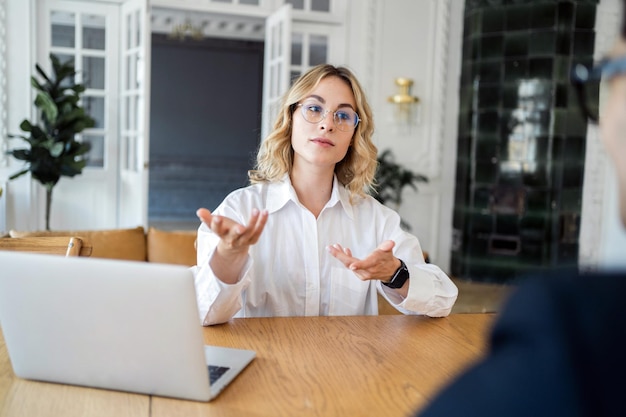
[{"x": 275, "y": 155}]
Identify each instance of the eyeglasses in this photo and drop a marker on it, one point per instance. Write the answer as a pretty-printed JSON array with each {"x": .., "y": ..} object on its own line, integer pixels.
[
  {"x": 345, "y": 119},
  {"x": 587, "y": 83}
]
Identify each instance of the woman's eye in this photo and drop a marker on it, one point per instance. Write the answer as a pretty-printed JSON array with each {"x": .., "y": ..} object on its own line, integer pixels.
[
  {"x": 343, "y": 116},
  {"x": 314, "y": 109}
]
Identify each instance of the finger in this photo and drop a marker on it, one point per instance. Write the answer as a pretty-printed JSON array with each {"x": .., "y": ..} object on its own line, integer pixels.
[
  {"x": 374, "y": 265},
  {"x": 204, "y": 215},
  {"x": 377, "y": 259},
  {"x": 231, "y": 234},
  {"x": 221, "y": 227},
  {"x": 224, "y": 227},
  {"x": 363, "y": 274},
  {"x": 340, "y": 248},
  {"x": 247, "y": 233},
  {"x": 371, "y": 261},
  {"x": 254, "y": 216},
  {"x": 259, "y": 226},
  {"x": 386, "y": 246},
  {"x": 338, "y": 252},
  {"x": 341, "y": 251}
]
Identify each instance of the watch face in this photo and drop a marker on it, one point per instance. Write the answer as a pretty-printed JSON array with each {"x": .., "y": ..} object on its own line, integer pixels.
[{"x": 399, "y": 278}]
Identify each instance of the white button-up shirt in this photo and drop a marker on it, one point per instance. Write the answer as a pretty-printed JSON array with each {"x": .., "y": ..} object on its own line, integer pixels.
[{"x": 289, "y": 271}]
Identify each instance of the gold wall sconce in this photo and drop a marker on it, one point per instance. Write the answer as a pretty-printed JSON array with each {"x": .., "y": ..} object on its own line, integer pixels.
[
  {"x": 405, "y": 105},
  {"x": 184, "y": 30}
]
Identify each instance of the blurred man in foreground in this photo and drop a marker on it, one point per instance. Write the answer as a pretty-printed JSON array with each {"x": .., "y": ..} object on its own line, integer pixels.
[{"x": 557, "y": 349}]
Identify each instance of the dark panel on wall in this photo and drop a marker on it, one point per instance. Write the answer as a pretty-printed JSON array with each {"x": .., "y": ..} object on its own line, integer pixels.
[
  {"x": 205, "y": 121},
  {"x": 521, "y": 140}
]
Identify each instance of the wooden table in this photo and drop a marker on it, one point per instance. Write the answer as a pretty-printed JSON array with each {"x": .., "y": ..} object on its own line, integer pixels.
[{"x": 305, "y": 366}]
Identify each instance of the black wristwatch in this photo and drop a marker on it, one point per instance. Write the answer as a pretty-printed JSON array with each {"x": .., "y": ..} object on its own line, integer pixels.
[{"x": 399, "y": 277}]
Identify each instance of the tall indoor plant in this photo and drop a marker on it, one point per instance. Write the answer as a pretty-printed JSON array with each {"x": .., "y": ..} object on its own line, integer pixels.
[
  {"x": 391, "y": 179},
  {"x": 53, "y": 149}
]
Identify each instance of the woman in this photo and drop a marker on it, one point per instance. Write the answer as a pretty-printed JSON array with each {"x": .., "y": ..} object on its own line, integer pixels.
[{"x": 305, "y": 239}]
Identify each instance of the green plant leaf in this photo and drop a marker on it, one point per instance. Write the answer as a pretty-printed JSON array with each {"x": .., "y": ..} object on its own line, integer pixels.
[
  {"x": 18, "y": 174},
  {"x": 56, "y": 149},
  {"x": 37, "y": 136},
  {"x": 77, "y": 148},
  {"x": 391, "y": 178},
  {"x": 47, "y": 106},
  {"x": 66, "y": 71},
  {"x": 42, "y": 74},
  {"x": 17, "y": 136},
  {"x": 36, "y": 85},
  {"x": 26, "y": 126},
  {"x": 73, "y": 168},
  {"x": 21, "y": 154}
]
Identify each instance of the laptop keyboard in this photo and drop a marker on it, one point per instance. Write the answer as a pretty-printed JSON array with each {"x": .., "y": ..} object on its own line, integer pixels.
[{"x": 215, "y": 372}]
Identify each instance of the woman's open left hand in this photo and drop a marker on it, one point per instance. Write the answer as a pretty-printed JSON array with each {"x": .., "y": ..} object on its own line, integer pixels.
[{"x": 380, "y": 264}]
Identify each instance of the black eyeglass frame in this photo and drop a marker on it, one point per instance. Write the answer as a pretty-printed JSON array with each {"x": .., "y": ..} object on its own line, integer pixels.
[{"x": 581, "y": 75}]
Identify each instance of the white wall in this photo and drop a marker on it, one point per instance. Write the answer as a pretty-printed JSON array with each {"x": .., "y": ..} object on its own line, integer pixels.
[
  {"x": 421, "y": 40},
  {"x": 21, "y": 195}
]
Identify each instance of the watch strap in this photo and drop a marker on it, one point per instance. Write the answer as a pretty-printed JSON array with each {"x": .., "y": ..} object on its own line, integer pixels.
[{"x": 399, "y": 277}]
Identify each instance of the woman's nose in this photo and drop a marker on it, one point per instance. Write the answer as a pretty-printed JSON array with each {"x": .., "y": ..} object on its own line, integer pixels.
[{"x": 327, "y": 122}]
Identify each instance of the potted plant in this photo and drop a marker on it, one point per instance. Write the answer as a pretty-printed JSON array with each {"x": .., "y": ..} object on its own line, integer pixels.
[
  {"x": 53, "y": 150},
  {"x": 391, "y": 179}
]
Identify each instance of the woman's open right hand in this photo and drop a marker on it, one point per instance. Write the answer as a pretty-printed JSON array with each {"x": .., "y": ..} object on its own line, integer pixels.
[{"x": 234, "y": 237}]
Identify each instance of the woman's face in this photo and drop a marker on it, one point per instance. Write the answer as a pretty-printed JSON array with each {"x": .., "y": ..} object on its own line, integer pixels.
[{"x": 324, "y": 144}]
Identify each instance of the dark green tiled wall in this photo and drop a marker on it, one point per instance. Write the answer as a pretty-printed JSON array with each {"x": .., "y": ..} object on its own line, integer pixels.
[{"x": 521, "y": 140}]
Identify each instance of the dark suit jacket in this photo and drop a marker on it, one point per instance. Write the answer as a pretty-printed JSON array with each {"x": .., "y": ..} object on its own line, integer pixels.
[{"x": 557, "y": 349}]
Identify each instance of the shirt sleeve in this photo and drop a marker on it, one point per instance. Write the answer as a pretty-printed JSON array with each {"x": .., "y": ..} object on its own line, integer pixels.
[{"x": 431, "y": 291}]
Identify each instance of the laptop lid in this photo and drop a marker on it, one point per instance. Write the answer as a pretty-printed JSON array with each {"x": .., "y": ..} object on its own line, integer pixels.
[{"x": 121, "y": 325}]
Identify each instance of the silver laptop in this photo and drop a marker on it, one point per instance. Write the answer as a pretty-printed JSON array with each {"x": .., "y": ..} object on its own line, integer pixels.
[{"x": 120, "y": 325}]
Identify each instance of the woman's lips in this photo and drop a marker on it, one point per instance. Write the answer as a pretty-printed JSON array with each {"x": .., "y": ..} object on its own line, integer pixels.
[{"x": 323, "y": 142}]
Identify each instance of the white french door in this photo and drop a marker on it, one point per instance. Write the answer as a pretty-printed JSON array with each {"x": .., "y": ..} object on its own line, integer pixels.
[
  {"x": 275, "y": 64},
  {"x": 134, "y": 115},
  {"x": 291, "y": 48},
  {"x": 87, "y": 34},
  {"x": 109, "y": 43}
]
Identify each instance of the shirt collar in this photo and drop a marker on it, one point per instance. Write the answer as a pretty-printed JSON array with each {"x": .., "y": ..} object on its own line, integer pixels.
[
  {"x": 281, "y": 192},
  {"x": 341, "y": 194}
]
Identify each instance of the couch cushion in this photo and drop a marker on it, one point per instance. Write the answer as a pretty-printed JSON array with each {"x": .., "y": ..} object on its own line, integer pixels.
[
  {"x": 128, "y": 244},
  {"x": 172, "y": 247}
]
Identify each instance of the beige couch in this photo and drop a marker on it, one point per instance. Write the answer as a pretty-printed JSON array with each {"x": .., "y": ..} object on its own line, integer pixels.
[
  {"x": 135, "y": 244},
  {"x": 155, "y": 245}
]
